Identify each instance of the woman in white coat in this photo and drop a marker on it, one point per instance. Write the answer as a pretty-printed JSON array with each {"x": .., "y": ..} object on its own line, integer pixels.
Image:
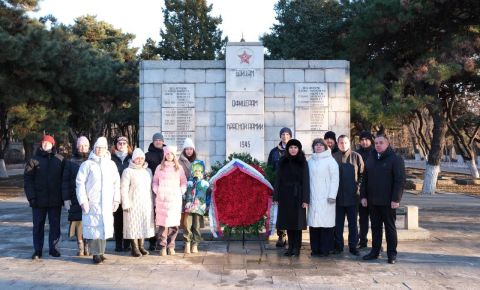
[
  {"x": 324, "y": 179},
  {"x": 98, "y": 193},
  {"x": 138, "y": 220}
]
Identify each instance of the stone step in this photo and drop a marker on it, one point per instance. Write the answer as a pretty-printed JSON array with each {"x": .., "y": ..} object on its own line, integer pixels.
[{"x": 467, "y": 181}]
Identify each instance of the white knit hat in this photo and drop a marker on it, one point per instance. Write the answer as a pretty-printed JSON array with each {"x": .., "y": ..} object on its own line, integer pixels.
[
  {"x": 188, "y": 143},
  {"x": 137, "y": 153},
  {"x": 101, "y": 142}
]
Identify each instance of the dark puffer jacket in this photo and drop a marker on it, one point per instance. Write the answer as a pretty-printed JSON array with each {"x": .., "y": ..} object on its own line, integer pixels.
[
  {"x": 121, "y": 165},
  {"x": 275, "y": 155},
  {"x": 154, "y": 157},
  {"x": 43, "y": 179},
  {"x": 69, "y": 185},
  {"x": 365, "y": 152},
  {"x": 383, "y": 178}
]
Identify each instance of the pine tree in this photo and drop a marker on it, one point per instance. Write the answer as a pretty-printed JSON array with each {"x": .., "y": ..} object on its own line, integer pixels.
[{"x": 190, "y": 32}]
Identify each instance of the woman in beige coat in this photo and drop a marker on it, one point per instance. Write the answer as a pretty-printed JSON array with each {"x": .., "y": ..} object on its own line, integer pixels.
[{"x": 138, "y": 220}]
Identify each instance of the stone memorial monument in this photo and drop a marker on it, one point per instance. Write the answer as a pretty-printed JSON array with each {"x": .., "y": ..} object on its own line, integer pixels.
[{"x": 241, "y": 103}]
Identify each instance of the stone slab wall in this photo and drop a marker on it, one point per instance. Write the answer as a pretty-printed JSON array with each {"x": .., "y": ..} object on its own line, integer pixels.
[{"x": 208, "y": 78}]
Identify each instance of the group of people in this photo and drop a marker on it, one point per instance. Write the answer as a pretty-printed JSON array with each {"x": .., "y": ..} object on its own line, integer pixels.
[
  {"x": 119, "y": 193},
  {"x": 334, "y": 183},
  {"x": 135, "y": 196}
]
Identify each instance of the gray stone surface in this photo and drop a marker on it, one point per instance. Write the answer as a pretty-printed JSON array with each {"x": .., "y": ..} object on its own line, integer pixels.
[
  {"x": 215, "y": 76},
  {"x": 273, "y": 75},
  {"x": 449, "y": 260},
  {"x": 195, "y": 75}
]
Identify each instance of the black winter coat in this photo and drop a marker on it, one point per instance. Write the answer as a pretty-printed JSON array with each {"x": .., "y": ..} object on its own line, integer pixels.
[
  {"x": 351, "y": 169},
  {"x": 292, "y": 188},
  {"x": 43, "y": 179},
  {"x": 69, "y": 185},
  {"x": 275, "y": 155},
  {"x": 383, "y": 178},
  {"x": 121, "y": 166},
  {"x": 154, "y": 157},
  {"x": 365, "y": 153}
]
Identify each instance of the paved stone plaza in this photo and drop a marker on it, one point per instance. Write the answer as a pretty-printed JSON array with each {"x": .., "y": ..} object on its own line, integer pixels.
[{"x": 449, "y": 260}]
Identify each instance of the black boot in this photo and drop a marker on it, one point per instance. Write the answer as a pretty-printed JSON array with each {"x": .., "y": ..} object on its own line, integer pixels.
[
  {"x": 289, "y": 251},
  {"x": 141, "y": 247},
  {"x": 282, "y": 239},
  {"x": 153, "y": 242},
  {"x": 127, "y": 245},
  {"x": 97, "y": 260},
  {"x": 86, "y": 248},
  {"x": 135, "y": 250},
  {"x": 118, "y": 245}
]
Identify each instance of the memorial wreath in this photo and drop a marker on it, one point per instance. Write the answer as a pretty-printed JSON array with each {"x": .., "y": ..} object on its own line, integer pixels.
[{"x": 241, "y": 196}]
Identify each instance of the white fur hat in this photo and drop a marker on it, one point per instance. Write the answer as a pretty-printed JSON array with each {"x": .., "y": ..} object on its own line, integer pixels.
[
  {"x": 101, "y": 142},
  {"x": 188, "y": 143},
  {"x": 137, "y": 153}
]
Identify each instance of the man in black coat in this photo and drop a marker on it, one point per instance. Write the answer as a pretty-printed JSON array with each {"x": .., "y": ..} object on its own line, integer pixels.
[
  {"x": 351, "y": 170},
  {"x": 43, "y": 188},
  {"x": 154, "y": 157},
  {"x": 273, "y": 158},
  {"x": 382, "y": 190},
  {"x": 69, "y": 193},
  {"x": 365, "y": 150}
]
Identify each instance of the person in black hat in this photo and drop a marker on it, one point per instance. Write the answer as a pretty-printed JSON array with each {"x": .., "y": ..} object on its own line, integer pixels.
[
  {"x": 275, "y": 154},
  {"x": 366, "y": 148},
  {"x": 331, "y": 140},
  {"x": 292, "y": 193}
]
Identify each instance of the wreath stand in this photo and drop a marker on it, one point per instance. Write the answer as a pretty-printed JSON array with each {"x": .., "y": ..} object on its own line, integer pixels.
[{"x": 259, "y": 239}]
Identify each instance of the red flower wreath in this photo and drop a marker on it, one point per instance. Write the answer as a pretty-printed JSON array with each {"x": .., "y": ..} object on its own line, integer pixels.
[{"x": 241, "y": 200}]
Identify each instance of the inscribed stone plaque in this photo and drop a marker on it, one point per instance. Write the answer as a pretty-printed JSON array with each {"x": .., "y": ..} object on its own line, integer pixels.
[
  {"x": 248, "y": 80},
  {"x": 178, "y": 119},
  {"x": 307, "y": 137},
  {"x": 178, "y": 95},
  {"x": 245, "y": 103},
  {"x": 177, "y": 138},
  {"x": 311, "y": 118},
  {"x": 245, "y": 133},
  {"x": 311, "y": 94}
]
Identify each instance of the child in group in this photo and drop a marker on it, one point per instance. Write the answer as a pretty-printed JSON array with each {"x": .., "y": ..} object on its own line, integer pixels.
[
  {"x": 196, "y": 202},
  {"x": 169, "y": 184}
]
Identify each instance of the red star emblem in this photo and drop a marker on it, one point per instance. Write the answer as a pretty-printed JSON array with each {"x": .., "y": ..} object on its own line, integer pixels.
[{"x": 245, "y": 57}]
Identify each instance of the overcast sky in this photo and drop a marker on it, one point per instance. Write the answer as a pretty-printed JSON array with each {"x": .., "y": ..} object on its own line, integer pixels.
[{"x": 144, "y": 17}]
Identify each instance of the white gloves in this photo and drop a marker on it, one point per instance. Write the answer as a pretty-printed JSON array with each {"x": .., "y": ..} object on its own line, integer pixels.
[
  {"x": 115, "y": 206},
  {"x": 331, "y": 200},
  {"x": 85, "y": 208},
  {"x": 67, "y": 204}
]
